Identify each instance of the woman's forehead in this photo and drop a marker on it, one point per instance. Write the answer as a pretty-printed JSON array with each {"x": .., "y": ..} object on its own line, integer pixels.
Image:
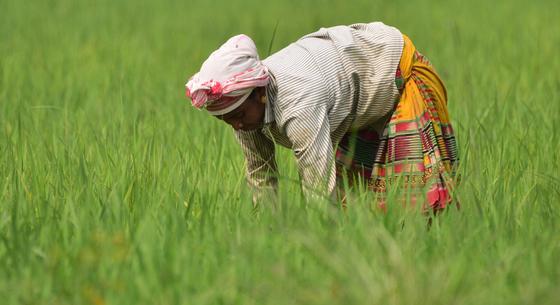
[{"x": 234, "y": 112}]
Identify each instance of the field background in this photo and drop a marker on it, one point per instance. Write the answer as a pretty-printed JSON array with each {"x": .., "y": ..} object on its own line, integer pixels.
[{"x": 113, "y": 190}]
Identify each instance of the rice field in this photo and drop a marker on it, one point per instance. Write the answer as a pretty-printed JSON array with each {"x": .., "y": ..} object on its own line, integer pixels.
[{"x": 113, "y": 190}]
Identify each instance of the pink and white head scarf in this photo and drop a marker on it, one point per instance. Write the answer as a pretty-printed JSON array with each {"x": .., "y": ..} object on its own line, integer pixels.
[{"x": 227, "y": 77}]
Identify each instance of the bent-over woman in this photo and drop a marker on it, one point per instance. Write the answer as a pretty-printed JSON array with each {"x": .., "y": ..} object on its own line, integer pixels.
[{"x": 354, "y": 103}]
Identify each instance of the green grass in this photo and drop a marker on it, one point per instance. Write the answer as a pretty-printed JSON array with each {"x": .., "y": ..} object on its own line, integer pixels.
[{"x": 113, "y": 190}]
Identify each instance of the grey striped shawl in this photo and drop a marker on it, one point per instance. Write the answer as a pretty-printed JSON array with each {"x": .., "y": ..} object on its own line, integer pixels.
[{"x": 323, "y": 85}]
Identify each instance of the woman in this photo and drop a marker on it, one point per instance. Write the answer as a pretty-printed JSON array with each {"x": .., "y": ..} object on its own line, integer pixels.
[{"x": 352, "y": 101}]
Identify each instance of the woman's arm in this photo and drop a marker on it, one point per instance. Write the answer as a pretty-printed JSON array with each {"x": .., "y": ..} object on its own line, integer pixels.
[
  {"x": 309, "y": 131},
  {"x": 261, "y": 168}
]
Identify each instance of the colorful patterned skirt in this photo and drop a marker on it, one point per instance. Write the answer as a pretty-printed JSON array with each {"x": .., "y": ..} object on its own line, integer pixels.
[{"x": 415, "y": 159}]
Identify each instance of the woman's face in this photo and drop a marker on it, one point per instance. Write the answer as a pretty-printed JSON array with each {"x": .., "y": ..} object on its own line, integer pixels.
[{"x": 249, "y": 115}]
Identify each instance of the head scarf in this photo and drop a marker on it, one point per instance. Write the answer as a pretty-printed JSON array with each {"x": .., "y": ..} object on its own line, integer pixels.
[{"x": 227, "y": 77}]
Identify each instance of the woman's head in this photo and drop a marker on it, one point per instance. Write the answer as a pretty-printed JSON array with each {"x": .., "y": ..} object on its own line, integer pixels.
[
  {"x": 227, "y": 78},
  {"x": 250, "y": 114}
]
